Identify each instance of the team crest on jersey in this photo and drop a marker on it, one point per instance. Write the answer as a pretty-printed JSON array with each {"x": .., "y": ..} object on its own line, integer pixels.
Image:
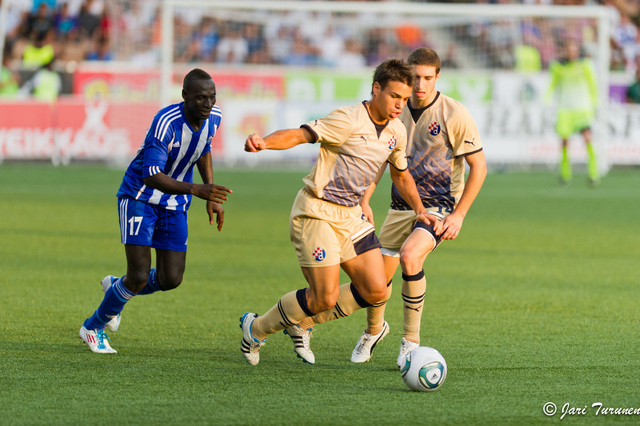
[
  {"x": 392, "y": 142},
  {"x": 319, "y": 254},
  {"x": 434, "y": 128}
]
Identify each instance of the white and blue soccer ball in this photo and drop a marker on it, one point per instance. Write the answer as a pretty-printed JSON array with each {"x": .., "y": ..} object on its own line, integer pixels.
[{"x": 424, "y": 369}]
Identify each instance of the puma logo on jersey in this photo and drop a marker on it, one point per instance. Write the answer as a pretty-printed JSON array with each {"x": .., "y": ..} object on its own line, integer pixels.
[{"x": 470, "y": 142}]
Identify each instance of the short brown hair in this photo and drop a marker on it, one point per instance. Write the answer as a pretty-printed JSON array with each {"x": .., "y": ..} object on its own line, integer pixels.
[
  {"x": 393, "y": 70},
  {"x": 425, "y": 56}
]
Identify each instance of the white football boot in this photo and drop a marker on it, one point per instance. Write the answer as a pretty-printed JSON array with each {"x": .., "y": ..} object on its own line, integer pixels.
[
  {"x": 250, "y": 346},
  {"x": 114, "y": 323},
  {"x": 301, "y": 342},
  {"x": 405, "y": 348},
  {"x": 364, "y": 348},
  {"x": 97, "y": 340}
]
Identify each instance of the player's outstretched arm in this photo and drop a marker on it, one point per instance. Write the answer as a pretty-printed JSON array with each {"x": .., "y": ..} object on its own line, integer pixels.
[
  {"x": 477, "y": 173},
  {"x": 168, "y": 185},
  {"x": 278, "y": 140}
]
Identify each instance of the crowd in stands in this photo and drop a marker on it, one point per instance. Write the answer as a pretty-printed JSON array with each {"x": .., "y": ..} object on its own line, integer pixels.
[{"x": 129, "y": 30}]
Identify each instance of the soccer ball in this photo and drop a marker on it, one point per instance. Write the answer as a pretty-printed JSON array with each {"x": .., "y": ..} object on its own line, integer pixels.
[{"x": 424, "y": 369}]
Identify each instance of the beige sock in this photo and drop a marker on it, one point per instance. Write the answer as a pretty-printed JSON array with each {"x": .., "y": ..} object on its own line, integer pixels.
[
  {"x": 375, "y": 314},
  {"x": 413, "y": 292},
  {"x": 290, "y": 309}
]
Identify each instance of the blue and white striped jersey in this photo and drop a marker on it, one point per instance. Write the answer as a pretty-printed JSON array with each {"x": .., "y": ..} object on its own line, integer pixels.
[{"x": 173, "y": 148}]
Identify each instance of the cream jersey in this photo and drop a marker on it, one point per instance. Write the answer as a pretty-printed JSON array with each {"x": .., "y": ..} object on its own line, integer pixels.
[
  {"x": 439, "y": 137},
  {"x": 353, "y": 149}
]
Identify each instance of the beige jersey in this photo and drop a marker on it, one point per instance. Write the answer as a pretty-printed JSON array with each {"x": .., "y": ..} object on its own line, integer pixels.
[
  {"x": 353, "y": 149},
  {"x": 442, "y": 136}
]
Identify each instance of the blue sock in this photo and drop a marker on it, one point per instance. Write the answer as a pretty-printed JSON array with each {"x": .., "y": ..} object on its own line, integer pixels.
[
  {"x": 152, "y": 285},
  {"x": 114, "y": 299}
]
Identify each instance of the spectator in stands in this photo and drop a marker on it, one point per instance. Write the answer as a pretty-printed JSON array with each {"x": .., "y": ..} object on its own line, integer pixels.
[
  {"x": 352, "y": 57},
  {"x": 302, "y": 53},
  {"x": 100, "y": 50},
  {"x": 624, "y": 37},
  {"x": 183, "y": 37},
  {"x": 527, "y": 55},
  {"x": 233, "y": 47},
  {"x": 66, "y": 25},
  {"x": 16, "y": 18},
  {"x": 633, "y": 91},
  {"x": 330, "y": 46},
  {"x": 51, "y": 4},
  {"x": 137, "y": 24},
  {"x": 9, "y": 79},
  {"x": 45, "y": 85},
  {"x": 41, "y": 51},
  {"x": 88, "y": 21},
  {"x": 256, "y": 44},
  {"x": 281, "y": 45},
  {"x": 207, "y": 37},
  {"x": 41, "y": 20},
  {"x": 527, "y": 58},
  {"x": 191, "y": 54},
  {"x": 450, "y": 59}
]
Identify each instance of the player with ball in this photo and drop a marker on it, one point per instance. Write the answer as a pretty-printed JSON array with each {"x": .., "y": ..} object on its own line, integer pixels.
[{"x": 441, "y": 136}]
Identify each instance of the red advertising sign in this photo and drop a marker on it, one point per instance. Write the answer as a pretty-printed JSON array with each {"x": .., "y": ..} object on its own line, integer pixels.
[{"x": 144, "y": 85}]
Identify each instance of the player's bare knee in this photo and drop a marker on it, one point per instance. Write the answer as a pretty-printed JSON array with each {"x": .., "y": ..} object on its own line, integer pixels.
[
  {"x": 410, "y": 263},
  {"x": 136, "y": 279},
  {"x": 169, "y": 282}
]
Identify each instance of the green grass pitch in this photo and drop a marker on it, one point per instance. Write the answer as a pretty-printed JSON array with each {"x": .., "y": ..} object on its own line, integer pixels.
[{"x": 538, "y": 300}]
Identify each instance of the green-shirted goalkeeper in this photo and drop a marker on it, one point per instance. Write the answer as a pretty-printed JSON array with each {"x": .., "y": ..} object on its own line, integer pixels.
[{"x": 573, "y": 81}]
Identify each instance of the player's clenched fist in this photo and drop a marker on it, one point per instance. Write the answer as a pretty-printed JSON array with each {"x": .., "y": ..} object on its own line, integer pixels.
[{"x": 254, "y": 143}]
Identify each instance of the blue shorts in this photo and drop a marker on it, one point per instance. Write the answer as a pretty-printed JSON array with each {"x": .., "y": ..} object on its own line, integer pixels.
[{"x": 145, "y": 224}]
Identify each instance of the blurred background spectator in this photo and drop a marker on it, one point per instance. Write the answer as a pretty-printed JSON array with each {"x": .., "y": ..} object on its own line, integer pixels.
[
  {"x": 45, "y": 85},
  {"x": 9, "y": 78},
  {"x": 105, "y": 30}
]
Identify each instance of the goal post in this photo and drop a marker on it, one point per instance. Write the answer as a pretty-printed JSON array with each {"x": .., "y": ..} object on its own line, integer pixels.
[{"x": 490, "y": 76}]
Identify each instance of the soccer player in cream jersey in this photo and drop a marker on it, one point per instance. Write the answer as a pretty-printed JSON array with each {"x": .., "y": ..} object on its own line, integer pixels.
[
  {"x": 327, "y": 225},
  {"x": 153, "y": 200},
  {"x": 442, "y": 136}
]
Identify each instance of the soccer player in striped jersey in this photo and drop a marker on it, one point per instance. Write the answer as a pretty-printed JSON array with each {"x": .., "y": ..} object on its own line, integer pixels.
[
  {"x": 153, "y": 200},
  {"x": 442, "y": 136},
  {"x": 327, "y": 225}
]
